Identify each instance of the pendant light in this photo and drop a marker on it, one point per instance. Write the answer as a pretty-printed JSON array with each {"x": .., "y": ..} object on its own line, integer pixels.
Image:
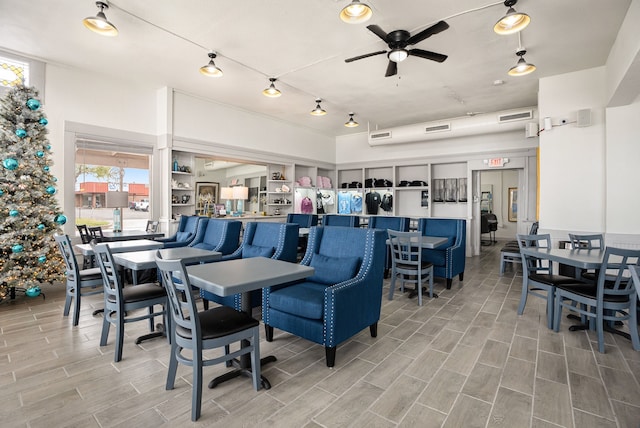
[
  {"x": 356, "y": 12},
  {"x": 513, "y": 21},
  {"x": 272, "y": 91},
  {"x": 99, "y": 23},
  {"x": 351, "y": 123},
  {"x": 210, "y": 69},
  {"x": 522, "y": 67},
  {"x": 318, "y": 111}
]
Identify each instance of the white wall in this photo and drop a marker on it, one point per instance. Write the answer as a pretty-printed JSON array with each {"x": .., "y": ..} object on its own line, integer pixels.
[{"x": 572, "y": 159}]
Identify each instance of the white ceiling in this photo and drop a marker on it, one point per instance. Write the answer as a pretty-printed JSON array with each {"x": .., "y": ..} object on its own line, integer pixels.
[{"x": 304, "y": 44}]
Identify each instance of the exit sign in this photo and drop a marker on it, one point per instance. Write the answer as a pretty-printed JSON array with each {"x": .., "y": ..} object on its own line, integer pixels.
[{"x": 496, "y": 163}]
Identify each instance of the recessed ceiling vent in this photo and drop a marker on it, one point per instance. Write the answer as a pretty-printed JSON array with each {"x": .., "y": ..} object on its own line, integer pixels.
[
  {"x": 511, "y": 117},
  {"x": 460, "y": 127}
]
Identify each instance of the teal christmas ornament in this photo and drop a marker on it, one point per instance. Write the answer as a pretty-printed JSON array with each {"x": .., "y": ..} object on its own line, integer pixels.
[
  {"x": 10, "y": 163},
  {"x": 41, "y": 226},
  {"x": 43, "y": 121},
  {"x": 1, "y": 192},
  {"x": 42, "y": 259},
  {"x": 33, "y": 291},
  {"x": 17, "y": 248},
  {"x": 51, "y": 190},
  {"x": 46, "y": 168},
  {"x": 21, "y": 133},
  {"x": 48, "y": 147},
  {"x": 61, "y": 219},
  {"x": 40, "y": 153},
  {"x": 33, "y": 104},
  {"x": 55, "y": 179},
  {"x": 13, "y": 213}
]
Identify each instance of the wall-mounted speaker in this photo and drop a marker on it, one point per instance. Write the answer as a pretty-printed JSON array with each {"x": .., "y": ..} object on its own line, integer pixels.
[
  {"x": 531, "y": 130},
  {"x": 584, "y": 118}
]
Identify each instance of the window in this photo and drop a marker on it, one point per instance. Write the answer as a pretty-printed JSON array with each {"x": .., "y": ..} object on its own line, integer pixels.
[
  {"x": 102, "y": 167},
  {"x": 16, "y": 70}
]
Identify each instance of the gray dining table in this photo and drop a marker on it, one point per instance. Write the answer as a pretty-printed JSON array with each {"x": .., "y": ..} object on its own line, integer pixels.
[
  {"x": 123, "y": 246},
  {"x": 127, "y": 235},
  {"x": 230, "y": 277}
]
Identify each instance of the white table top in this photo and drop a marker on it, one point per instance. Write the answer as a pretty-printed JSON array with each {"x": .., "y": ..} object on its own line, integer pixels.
[
  {"x": 140, "y": 260},
  {"x": 243, "y": 275},
  {"x": 123, "y": 246},
  {"x": 428, "y": 242},
  {"x": 127, "y": 235},
  {"x": 584, "y": 259}
]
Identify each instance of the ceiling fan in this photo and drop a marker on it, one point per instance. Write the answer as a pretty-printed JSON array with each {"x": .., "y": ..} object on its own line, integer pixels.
[{"x": 398, "y": 41}]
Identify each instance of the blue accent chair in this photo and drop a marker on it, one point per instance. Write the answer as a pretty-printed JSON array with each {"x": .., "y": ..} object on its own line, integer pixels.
[
  {"x": 303, "y": 220},
  {"x": 449, "y": 258},
  {"x": 341, "y": 298},
  {"x": 190, "y": 228},
  {"x": 219, "y": 235},
  {"x": 261, "y": 239},
  {"x": 400, "y": 224},
  {"x": 341, "y": 220}
]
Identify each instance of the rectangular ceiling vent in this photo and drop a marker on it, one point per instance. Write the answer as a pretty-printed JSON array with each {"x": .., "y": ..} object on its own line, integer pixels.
[
  {"x": 380, "y": 135},
  {"x": 437, "y": 128},
  {"x": 512, "y": 117}
]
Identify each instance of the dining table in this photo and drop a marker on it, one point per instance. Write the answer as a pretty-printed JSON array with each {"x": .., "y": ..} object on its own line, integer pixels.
[
  {"x": 226, "y": 278},
  {"x": 127, "y": 235},
  {"x": 123, "y": 246}
]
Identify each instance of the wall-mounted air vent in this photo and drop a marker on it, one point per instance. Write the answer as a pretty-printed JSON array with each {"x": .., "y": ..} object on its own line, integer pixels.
[
  {"x": 510, "y": 117},
  {"x": 380, "y": 135},
  {"x": 438, "y": 128}
]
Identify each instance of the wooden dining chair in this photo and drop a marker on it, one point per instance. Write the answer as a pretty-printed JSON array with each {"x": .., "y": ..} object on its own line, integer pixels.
[
  {"x": 152, "y": 226},
  {"x": 209, "y": 329},
  {"x": 96, "y": 233},
  {"x": 407, "y": 264},
  {"x": 608, "y": 301},
  {"x": 85, "y": 237}
]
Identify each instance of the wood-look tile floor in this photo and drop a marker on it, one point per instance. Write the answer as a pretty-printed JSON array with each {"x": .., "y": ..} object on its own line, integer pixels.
[{"x": 465, "y": 359}]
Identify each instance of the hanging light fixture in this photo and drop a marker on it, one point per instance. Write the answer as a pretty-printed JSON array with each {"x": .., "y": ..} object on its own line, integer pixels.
[
  {"x": 211, "y": 69},
  {"x": 272, "y": 91},
  {"x": 397, "y": 55},
  {"x": 351, "y": 123},
  {"x": 513, "y": 21},
  {"x": 522, "y": 67},
  {"x": 356, "y": 12},
  {"x": 318, "y": 111},
  {"x": 99, "y": 23}
]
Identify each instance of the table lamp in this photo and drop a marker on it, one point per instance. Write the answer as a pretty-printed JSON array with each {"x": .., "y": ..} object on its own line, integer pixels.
[
  {"x": 117, "y": 201},
  {"x": 240, "y": 194},
  {"x": 227, "y": 193}
]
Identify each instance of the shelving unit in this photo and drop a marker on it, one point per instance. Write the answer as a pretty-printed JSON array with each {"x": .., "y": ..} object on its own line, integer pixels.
[
  {"x": 279, "y": 200},
  {"x": 182, "y": 186}
]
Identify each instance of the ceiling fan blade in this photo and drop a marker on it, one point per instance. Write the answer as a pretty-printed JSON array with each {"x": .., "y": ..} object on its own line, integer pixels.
[
  {"x": 355, "y": 58},
  {"x": 392, "y": 69},
  {"x": 433, "y": 56},
  {"x": 434, "y": 29},
  {"x": 378, "y": 32}
]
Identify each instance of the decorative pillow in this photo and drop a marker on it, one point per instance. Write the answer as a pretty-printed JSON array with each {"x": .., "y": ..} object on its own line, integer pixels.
[
  {"x": 249, "y": 251},
  {"x": 182, "y": 236},
  {"x": 332, "y": 270}
]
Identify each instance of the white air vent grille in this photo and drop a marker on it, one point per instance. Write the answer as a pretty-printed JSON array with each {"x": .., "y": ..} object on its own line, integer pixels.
[
  {"x": 380, "y": 135},
  {"x": 510, "y": 117},
  {"x": 438, "y": 128}
]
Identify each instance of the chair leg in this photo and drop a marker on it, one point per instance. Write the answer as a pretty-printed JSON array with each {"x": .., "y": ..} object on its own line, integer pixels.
[
  {"x": 557, "y": 312},
  {"x": 600, "y": 328},
  {"x": 268, "y": 330},
  {"x": 449, "y": 282},
  {"x": 67, "y": 303},
  {"x": 392, "y": 286},
  {"x": 430, "y": 272},
  {"x": 633, "y": 324},
  {"x": 550, "y": 297},
  {"x": 523, "y": 296},
  {"x": 196, "y": 392},
  {"x": 119, "y": 337},
  {"x": 76, "y": 313},
  {"x": 255, "y": 360},
  {"x": 502, "y": 263},
  {"x": 461, "y": 276},
  {"x": 205, "y": 304},
  {"x": 419, "y": 287},
  {"x": 106, "y": 325},
  {"x": 373, "y": 329},
  {"x": 330, "y": 353},
  {"x": 173, "y": 367}
]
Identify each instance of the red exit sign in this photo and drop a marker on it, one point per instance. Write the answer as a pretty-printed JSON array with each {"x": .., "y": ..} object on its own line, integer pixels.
[{"x": 496, "y": 163}]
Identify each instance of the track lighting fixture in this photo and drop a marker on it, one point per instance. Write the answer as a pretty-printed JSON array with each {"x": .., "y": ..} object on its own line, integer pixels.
[
  {"x": 210, "y": 69},
  {"x": 318, "y": 111},
  {"x": 522, "y": 67},
  {"x": 356, "y": 12},
  {"x": 99, "y": 23},
  {"x": 272, "y": 91},
  {"x": 513, "y": 21},
  {"x": 351, "y": 123}
]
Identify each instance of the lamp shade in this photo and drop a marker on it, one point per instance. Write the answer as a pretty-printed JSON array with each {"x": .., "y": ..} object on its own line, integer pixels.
[
  {"x": 240, "y": 193},
  {"x": 226, "y": 193},
  {"x": 117, "y": 199}
]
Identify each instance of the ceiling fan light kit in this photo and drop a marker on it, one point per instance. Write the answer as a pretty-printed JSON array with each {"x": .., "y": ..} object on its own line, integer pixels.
[
  {"x": 513, "y": 21},
  {"x": 356, "y": 13},
  {"x": 351, "y": 123},
  {"x": 318, "y": 111},
  {"x": 522, "y": 67},
  {"x": 210, "y": 69},
  {"x": 99, "y": 23},
  {"x": 272, "y": 91}
]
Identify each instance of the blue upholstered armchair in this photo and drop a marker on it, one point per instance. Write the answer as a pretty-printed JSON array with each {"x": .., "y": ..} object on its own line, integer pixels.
[
  {"x": 303, "y": 220},
  {"x": 449, "y": 258},
  {"x": 261, "y": 239},
  {"x": 341, "y": 220},
  {"x": 342, "y": 297},
  {"x": 219, "y": 235},
  {"x": 401, "y": 224},
  {"x": 190, "y": 228}
]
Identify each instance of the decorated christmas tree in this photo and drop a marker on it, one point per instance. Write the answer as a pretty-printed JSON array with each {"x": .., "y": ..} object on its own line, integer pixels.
[{"x": 29, "y": 213}]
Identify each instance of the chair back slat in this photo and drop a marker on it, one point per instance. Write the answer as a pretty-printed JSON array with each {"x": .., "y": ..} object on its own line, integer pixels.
[
  {"x": 96, "y": 233},
  {"x": 152, "y": 226},
  {"x": 635, "y": 278},
  {"x": 181, "y": 302},
  {"x": 587, "y": 242},
  {"x": 403, "y": 250},
  {"x": 533, "y": 264},
  {"x": 615, "y": 275},
  {"x": 64, "y": 244},
  {"x": 85, "y": 236},
  {"x": 110, "y": 279}
]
